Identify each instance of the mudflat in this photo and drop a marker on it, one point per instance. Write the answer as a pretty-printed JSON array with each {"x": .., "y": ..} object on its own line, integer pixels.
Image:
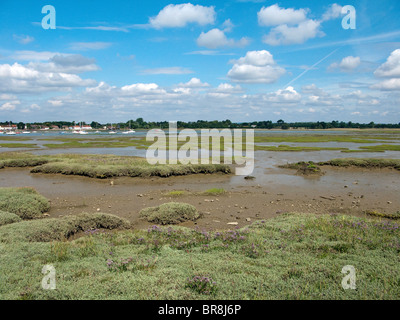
[{"x": 340, "y": 190}]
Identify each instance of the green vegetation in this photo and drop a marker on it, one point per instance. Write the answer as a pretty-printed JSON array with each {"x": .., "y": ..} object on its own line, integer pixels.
[
  {"x": 284, "y": 148},
  {"x": 8, "y": 218},
  {"x": 292, "y": 256},
  {"x": 27, "y": 203},
  {"x": 364, "y": 163},
  {"x": 304, "y": 168},
  {"x": 19, "y": 159},
  {"x": 394, "y": 216},
  {"x": 98, "y": 142},
  {"x": 310, "y": 167},
  {"x": 214, "y": 191},
  {"x": 104, "y": 166},
  {"x": 18, "y": 145},
  {"x": 321, "y": 138},
  {"x": 379, "y": 148},
  {"x": 175, "y": 193},
  {"x": 52, "y": 229},
  {"x": 170, "y": 213}
]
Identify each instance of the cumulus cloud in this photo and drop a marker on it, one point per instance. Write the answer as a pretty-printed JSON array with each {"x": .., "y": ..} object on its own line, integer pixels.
[
  {"x": 333, "y": 12},
  {"x": 387, "y": 85},
  {"x": 391, "y": 68},
  {"x": 291, "y": 26},
  {"x": 9, "y": 106},
  {"x": 288, "y": 95},
  {"x": 347, "y": 64},
  {"x": 216, "y": 38},
  {"x": 142, "y": 89},
  {"x": 19, "y": 78},
  {"x": 179, "y": 15},
  {"x": 194, "y": 83},
  {"x": 228, "y": 88},
  {"x": 274, "y": 16},
  {"x": 256, "y": 67},
  {"x": 298, "y": 34}
]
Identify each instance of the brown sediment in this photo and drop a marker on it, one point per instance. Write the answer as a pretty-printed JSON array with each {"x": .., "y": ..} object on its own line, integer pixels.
[{"x": 340, "y": 191}]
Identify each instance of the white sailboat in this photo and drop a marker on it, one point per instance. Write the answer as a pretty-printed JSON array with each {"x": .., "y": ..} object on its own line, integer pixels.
[{"x": 130, "y": 129}]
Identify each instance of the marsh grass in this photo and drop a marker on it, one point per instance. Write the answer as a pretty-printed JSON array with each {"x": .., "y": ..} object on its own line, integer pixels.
[
  {"x": 26, "y": 203},
  {"x": 214, "y": 191},
  {"x": 318, "y": 138},
  {"x": 18, "y": 145},
  {"x": 293, "y": 256},
  {"x": 8, "y": 218},
  {"x": 170, "y": 213},
  {"x": 363, "y": 163},
  {"x": 304, "y": 168},
  {"x": 394, "y": 216},
  {"x": 52, "y": 229},
  {"x": 285, "y": 148},
  {"x": 104, "y": 166},
  {"x": 176, "y": 193},
  {"x": 370, "y": 163}
]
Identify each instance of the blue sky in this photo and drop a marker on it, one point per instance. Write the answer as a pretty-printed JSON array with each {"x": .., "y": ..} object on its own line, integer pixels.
[{"x": 212, "y": 60}]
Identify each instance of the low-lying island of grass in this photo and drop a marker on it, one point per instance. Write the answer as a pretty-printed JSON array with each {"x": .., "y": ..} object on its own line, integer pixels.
[
  {"x": 103, "y": 166},
  {"x": 368, "y": 163}
]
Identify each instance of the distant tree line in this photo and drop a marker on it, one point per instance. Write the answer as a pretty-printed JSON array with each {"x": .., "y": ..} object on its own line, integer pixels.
[{"x": 139, "y": 123}]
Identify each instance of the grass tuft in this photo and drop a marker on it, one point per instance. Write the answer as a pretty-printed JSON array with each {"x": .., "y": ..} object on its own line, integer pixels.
[
  {"x": 170, "y": 213},
  {"x": 27, "y": 203}
]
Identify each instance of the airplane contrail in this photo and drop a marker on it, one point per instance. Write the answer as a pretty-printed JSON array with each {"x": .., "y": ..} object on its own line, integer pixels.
[{"x": 308, "y": 69}]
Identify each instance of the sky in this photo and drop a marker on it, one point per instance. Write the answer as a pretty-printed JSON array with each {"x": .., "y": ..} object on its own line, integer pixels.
[{"x": 243, "y": 60}]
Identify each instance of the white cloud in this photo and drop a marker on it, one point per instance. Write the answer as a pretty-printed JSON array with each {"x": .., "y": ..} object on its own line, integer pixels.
[
  {"x": 256, "y": 67},
  {"x": 387, "y": 85},
  {"x": 274, "y": 16},
  {"x": 391, "y": 68},
  {"x": 194, "y": 83},
  {"x": 228, "y": 88},
  {"x": 55, "y": 103},
  {"x": 334, "y": 11},
  {"x": 9, "y": 106},
  {"x": 176, "y": 16},
  {"x": 142, "y": 89},
  {"x": 216, "y": 38},
  {"x": 284, "y": 34},
  {"x": 291, "y": 26},
  {"x": 347, "y": 64},
  {"x": 228, "y": 25},
  {"x": 19, "y": 78},
  {"x": 288, "y": 95}
]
